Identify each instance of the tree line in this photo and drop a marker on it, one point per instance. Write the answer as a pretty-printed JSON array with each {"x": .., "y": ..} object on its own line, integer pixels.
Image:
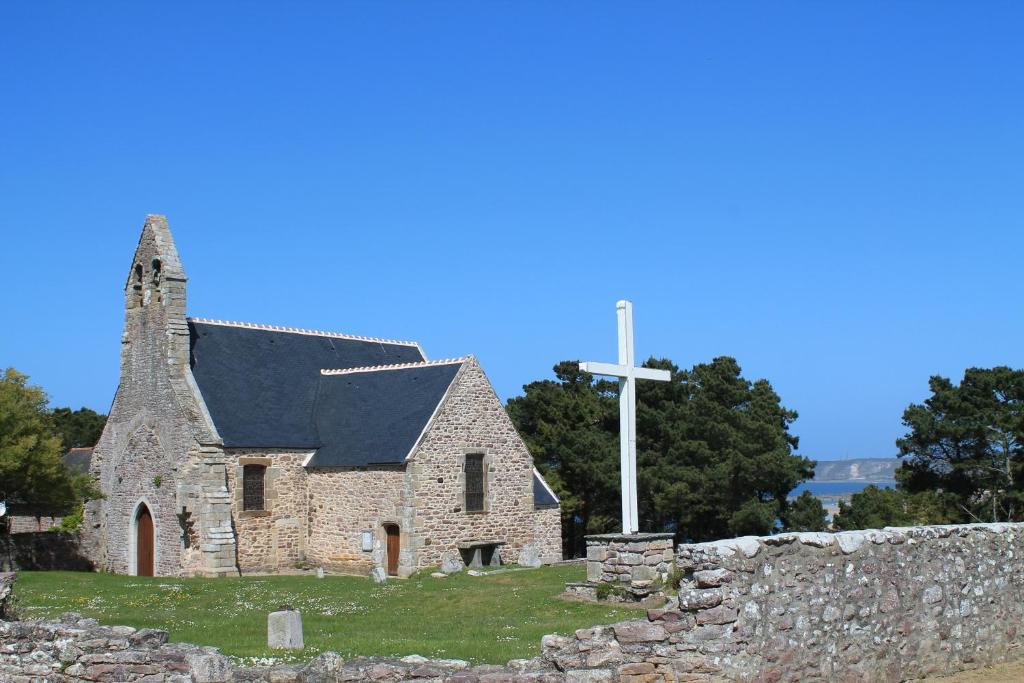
[
  {"x": 716, "y": 457},
  {"x": 33, "y": 440}
]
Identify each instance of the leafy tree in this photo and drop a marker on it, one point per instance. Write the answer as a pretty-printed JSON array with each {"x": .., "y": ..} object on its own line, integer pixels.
[
  {"x": 78, "y": 428},
  {"x": 714, "y": 451},
  {"x": 32, "y": 472},
  {"x": 967, "y": 443},
  {"x": 806, "y": 513}
]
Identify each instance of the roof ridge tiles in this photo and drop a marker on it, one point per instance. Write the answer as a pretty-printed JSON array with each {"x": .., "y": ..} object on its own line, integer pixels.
[
  {"x": 297, "y": 330},
  {"x": 393, "y": 366}
]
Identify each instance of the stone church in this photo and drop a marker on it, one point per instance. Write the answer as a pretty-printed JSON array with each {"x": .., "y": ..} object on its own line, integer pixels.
[{"x": 235, "y": 447}]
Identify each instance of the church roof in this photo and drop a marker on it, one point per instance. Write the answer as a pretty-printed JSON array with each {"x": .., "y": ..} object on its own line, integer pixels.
[
  {"x": 78, "y": 459},
  {"x": 372, "y": 416},
  {"x": 262, "y": 384}
]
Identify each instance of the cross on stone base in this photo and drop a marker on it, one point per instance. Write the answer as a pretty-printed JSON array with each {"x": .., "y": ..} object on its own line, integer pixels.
[{"x": 628, "y": 373}]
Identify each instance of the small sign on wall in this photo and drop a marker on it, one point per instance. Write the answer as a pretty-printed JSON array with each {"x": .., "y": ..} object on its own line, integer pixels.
[{"x": 367, "y": 537}]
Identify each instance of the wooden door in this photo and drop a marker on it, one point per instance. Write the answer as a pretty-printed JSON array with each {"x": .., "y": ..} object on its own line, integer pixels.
[
  {"x": 394, "y": 547},
  {"x": 144, "y": 543}
]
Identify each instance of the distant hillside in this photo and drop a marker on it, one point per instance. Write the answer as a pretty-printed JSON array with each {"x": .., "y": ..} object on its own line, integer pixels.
[{"x": 857, "y": 469}]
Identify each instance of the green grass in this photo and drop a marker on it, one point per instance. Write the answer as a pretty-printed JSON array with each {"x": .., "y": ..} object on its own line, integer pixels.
[{"x": 483, "y": 619}]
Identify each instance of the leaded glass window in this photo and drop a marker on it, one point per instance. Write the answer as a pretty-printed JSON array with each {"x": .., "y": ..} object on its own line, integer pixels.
[{"x": 253, "y": 487}]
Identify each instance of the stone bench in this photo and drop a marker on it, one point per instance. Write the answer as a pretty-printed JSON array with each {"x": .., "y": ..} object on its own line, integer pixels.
[{"x": 481, "y": 553}]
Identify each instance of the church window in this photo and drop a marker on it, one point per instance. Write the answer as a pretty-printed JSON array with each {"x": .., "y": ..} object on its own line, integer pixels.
[
  {"x": 156, "y": 278},
  {"x": 475, "y": 484},
  {"x": 137, "y": 285},
  {"x": 253, "y": 488}
]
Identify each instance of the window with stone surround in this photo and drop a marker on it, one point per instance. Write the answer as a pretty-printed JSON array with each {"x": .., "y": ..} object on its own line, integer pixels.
[
  {"x": 253, "y": 487},
  {"x": 476, "y": 484}
]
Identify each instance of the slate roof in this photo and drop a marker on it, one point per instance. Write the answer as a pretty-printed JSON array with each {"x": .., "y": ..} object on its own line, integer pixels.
[
  {"x": 261, "y": 384},
  {"x": 542, "y": 496},
  {"x": 376, "y": 416},
  {"x": 78, "y": 460}
]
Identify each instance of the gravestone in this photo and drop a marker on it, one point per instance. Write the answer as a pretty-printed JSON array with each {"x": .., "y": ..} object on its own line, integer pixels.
[
  {"x": 379, "y": 575},
  {"x": 284, "y": 629},
  {"x": 451, "y": 563},
  {"x": 529, "y": 556}
]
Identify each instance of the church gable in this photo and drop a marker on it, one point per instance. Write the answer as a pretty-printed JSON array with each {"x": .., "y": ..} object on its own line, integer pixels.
[{"x": 471, "y": 475}]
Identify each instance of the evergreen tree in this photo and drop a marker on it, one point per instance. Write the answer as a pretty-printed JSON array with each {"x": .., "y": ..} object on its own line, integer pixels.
[
  {"x": 78, "y": 428},
  {"x": 806, "y": 513},
  {"x": 714, "y": 451},
  {"x": 967, "y": 442}
]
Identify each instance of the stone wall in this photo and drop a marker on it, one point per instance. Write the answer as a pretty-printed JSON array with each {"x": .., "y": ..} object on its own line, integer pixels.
[
  {"x": 346, "y": 501},
  {"x": 272, "y": 539},
  {"x": 547, "y": 534},
  {"x": 878, "y": 605},
  {"x": 885, "y": 605},
  {"x": 473, "y": 420},
  {"x": 44, "y": 550},
  {"x": 26, "y": 524}
]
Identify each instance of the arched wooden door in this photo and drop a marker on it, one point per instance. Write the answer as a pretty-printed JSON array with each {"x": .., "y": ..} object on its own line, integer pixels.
[
  {"x": 144, "y": 542},
  {"x": 394, "y": 547}
]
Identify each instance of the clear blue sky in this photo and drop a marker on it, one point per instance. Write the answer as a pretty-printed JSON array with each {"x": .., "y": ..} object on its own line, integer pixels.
[{"x": 830, "y": 192}]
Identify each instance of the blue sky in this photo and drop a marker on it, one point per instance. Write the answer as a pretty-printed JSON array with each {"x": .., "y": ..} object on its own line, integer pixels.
[{"x": 830, "y": 192}]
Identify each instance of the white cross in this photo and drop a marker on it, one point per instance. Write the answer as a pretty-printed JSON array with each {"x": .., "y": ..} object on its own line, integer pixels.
[{"x": 628, "y": 374}]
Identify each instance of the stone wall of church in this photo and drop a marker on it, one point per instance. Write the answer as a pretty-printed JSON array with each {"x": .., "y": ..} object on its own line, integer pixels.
[
  {"x": 547, "y": 534},
  {"x": 272, "y": 539},
  {"x": 473, "y": 420},
  {"x": 344, "y": 502}
]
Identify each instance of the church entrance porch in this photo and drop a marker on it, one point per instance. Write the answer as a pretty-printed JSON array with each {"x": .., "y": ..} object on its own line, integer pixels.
[
  {"x": 144, "y": 549},
  {"x": 394, "y": 547}
]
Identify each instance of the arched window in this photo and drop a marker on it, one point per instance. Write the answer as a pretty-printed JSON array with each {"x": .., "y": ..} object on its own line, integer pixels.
[
  {"x": 253, "y": 487},
  {"x": 155, "y": 278},
  {"x": 137, "y": 285}
]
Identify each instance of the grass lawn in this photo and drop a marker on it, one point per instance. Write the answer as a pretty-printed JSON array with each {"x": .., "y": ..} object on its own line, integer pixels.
[{"x": 483, "y": 619}]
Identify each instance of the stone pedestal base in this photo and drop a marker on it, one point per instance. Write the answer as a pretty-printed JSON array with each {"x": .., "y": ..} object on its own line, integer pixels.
[{"x": 636, "y": 565}]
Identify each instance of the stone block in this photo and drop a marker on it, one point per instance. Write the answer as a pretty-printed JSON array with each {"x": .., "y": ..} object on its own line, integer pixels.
[
  {"x": 284, "y": 630},
  {"x": 712, "y": 578},
  {"x": 639, "y": 632}
]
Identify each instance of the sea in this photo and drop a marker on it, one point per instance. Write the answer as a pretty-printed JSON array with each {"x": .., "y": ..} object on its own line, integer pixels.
[
  {"x": 835, "y": 488},
  {"x": 831, "y": 493}
]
